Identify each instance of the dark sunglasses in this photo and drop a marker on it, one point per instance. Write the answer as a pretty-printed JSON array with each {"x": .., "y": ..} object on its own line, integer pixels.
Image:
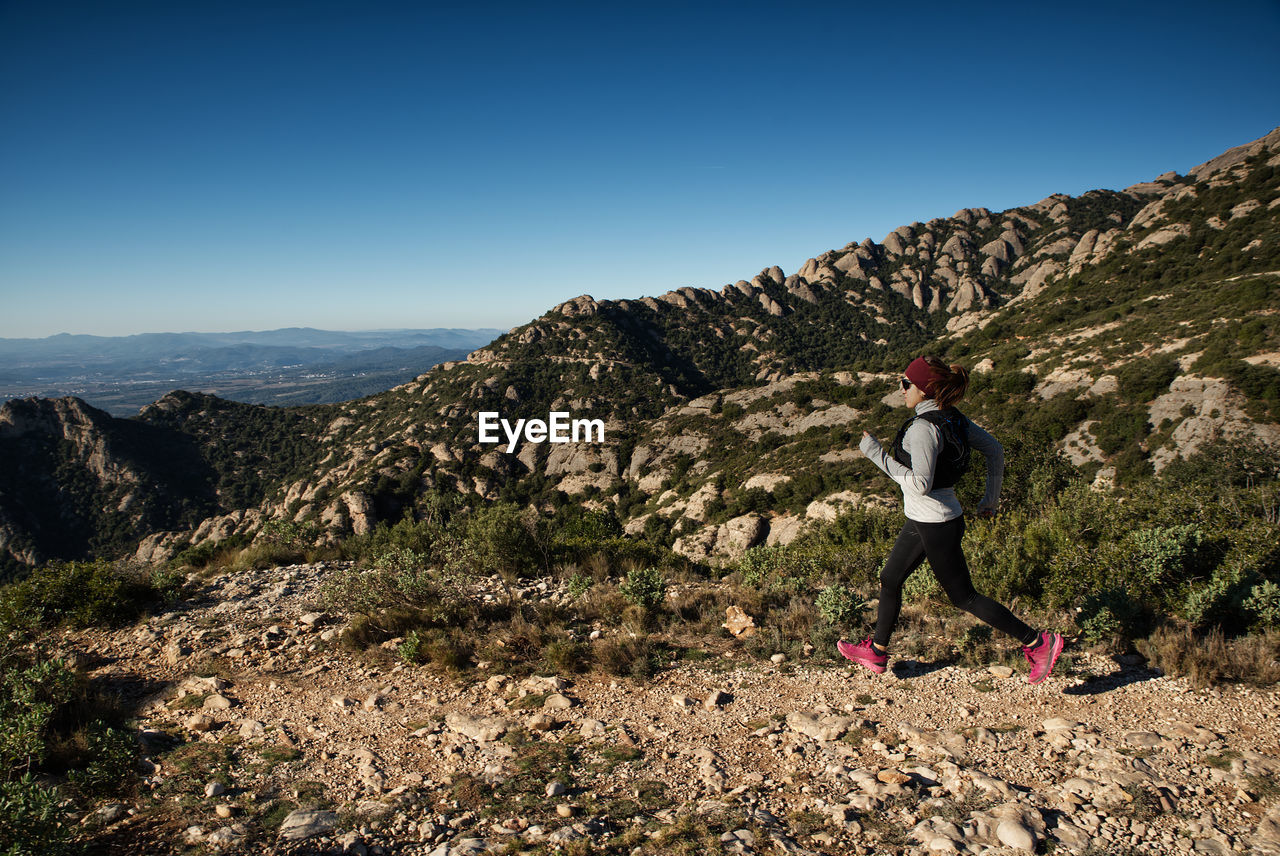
[{"x": 906, "y": 384}]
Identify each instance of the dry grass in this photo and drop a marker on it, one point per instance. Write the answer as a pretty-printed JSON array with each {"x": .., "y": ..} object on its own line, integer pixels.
[{"x": 1213, "y": 658}]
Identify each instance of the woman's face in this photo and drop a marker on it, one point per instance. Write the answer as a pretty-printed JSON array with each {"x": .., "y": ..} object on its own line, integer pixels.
[{"x": 914, "y": 396}]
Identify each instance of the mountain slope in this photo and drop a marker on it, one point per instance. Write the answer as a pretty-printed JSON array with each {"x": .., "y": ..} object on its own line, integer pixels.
[{"x": 1127, "y": 327}]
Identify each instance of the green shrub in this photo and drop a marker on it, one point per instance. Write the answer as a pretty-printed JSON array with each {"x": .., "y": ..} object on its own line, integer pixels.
[
  {"x": 31, "y": 819},
  {"x": 507, "y": 540},
  {"x": 85, "y": 594},
  {"x": 1142, "y": 380},
  {"x": 578, "y": 586},
  {"x": 32, "y": 695},
  {"x": 1110, "y": 617},
  {"x": 791, "y": 567},
  {"x": 839, "y": 606},
  {"x": 112, "y": 753},
  {"x": 644, "y": 587},
  {"x": 1264, "y": 602},
  {"x": 1162, "y": 554},
  {"x": 411, "y": 649}
]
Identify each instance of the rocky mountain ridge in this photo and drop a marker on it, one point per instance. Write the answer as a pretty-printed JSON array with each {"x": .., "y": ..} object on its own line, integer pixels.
[{"x": 729, "y": 412}]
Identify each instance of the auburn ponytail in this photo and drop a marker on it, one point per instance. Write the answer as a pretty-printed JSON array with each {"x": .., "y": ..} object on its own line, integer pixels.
[{"x": 950, "y": 382}]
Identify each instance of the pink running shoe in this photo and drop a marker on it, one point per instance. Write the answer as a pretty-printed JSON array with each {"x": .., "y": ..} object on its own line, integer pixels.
[
  {"x": 1043, "y": 656},
  {"x": 863, "y": 654}
]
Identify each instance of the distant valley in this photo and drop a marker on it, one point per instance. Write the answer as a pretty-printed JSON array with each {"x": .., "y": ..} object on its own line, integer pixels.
[{"x": 279, "y": 367}]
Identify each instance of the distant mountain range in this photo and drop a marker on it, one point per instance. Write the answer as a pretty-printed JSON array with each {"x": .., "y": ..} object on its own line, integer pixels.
[
  {"x": 1125, "y": 328},
  {"x": 290, "y": 366}
]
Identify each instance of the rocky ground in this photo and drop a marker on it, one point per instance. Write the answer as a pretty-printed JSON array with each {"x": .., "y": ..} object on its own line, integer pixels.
[{"x": 262, "y": 734}]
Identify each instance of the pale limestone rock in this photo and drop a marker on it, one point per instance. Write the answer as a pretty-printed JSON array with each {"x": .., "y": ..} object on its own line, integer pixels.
[
  {"x": 218, "y": 701},
  {"x": 578, "y": 306},
  {"x": 783, "y": 530},
  {"x": 1080, "y": 447},
  {"x": 579, "y": 458},
  {"x": 768, "y": 481},
  {"x": 1148, "y": 215},
  {"x": 482, "y": 729},
  {"x": 541, "y": 723},
  {"x": 1245, "y": 208},
  {"x": 1105, "y": 385},
  {"x": 968, "y": 295},
  {"x": 1084, "y": 248},
  {"x": 696, "y": 508},
  {"x": 557, "y": 701},
  {"x": 801, "y": 289},
  {"x": 817, "y": 727},
  {"x": 175, "y": 652},
  {"x": 1060, "y": 247},
  {"x": 738, "y": 623},
  {"x": 1266, "y": 837},
  {"x": 696, "y": 545},
  {"x": 1237, "y": 155},
  {"x": 251, "y": 729},
  {"x": 830, "y": 507},
  {"x": 770, "y": 305},
  {"x": 998, "y": 249},
  {"x": 1164, "y": 235},
  {"x": 957, "y": 246},
  {"x": 716, "y": 700},
  {"x": 1015, "y": 835},
  {"x": 199, "y": 723},
  {"x": 741, "y": 533},
  {"x": 675, "y": 299},
  {"x": 1217, "y": 411},
  {"x": 1062, "y": 380},
  {"x": 303, "y": 824}
]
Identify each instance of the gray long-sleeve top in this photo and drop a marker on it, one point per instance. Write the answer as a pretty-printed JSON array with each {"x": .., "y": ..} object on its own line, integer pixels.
[{"x": 922, "y": 441}]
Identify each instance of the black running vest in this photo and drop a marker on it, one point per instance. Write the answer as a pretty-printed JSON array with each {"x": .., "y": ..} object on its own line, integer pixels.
[{"x": 953, "y": 456}]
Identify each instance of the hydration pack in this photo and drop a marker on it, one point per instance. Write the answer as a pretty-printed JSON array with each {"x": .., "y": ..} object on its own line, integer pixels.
[{"x": 953, "y": 455}]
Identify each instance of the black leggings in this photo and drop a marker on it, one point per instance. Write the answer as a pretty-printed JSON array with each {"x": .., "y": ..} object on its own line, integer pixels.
[{"x": 940, "y": 544}]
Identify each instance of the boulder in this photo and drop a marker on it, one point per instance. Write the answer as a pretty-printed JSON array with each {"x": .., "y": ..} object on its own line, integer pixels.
[
  {"x": 821, "y": 728},
  {"x": 303, "y": 824},
  {"x": 482, "y": 729},
  {"x": 741, "y": 534}
]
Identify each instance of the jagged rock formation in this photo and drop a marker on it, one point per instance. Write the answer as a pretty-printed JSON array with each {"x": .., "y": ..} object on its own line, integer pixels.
[{"x": 701, "y": 387}]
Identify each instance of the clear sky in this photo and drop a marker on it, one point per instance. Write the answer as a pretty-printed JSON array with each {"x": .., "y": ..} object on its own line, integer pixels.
[{"x": 225, "y": 165}]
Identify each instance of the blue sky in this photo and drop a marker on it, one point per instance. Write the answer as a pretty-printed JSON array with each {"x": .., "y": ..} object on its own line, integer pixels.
[{"x": 249, "y": 165}]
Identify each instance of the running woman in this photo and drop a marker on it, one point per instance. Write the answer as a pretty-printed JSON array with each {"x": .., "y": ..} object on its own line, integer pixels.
[{"x": 927, "y": 459}]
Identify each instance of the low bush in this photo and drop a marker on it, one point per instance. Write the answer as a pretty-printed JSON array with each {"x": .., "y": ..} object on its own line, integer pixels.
[
  {"x": 87, "y": 594},
  {"x": 645, "y": 587}
]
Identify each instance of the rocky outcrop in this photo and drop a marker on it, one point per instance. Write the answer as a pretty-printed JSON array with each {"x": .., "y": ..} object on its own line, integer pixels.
[{"x": 729, "y": 540}]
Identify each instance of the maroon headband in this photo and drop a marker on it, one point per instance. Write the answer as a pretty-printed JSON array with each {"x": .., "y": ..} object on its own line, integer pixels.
[{"x": 923, "y": 376}]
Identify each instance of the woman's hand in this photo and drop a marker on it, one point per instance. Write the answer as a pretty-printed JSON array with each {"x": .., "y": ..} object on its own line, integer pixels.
[
  {"x": 866, "y": 434},
  {"x": 986, "y": 513}
]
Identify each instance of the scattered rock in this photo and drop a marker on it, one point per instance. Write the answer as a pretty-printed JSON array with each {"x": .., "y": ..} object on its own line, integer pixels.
[
  {"x": 557, "y": 701},
  {"x": 716, "y": 700},
  {"x": 482, "y": 729},
  {"x": 739, "y": 623},
  {"x": 305, "y": 823},
  {"x": 218, "y": 701}
]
